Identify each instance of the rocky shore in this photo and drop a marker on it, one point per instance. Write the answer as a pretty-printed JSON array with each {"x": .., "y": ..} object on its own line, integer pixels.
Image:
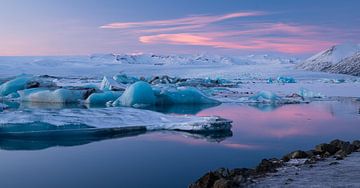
[{"x": 244, "y": 177}]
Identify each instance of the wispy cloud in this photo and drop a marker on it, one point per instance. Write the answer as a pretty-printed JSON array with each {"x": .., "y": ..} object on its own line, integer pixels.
[
  {"x": 204, "y": 30},
  {"x": 192, "y": 21}
]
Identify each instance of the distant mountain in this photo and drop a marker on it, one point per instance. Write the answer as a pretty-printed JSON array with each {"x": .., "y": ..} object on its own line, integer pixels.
[
  {"x": 153, "y": 59},
  {"x": 349, "y": 65},
  {"x": 342, "y": 59}
]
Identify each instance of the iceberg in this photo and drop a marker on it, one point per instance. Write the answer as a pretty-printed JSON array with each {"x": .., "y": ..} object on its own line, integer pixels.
[
  {"x": 265, "y": 96},
  {"x": 3, "y": 107},
  {"x": 124, "y": 79},
  {"x": 42, "y": 95},
  {"x": 14, "y": 85},
  {"x": 109, "y": 84},
  {"x": 137, "y": 95},
  {"x": 305, "y": 93},
  {"x": 183, "y": 95},
  {"x": 102, "y": 98},
  {"x": 23, "y": 82},
  {"x": 108, "y": 118},
  {"x": 284, "y": 79}
]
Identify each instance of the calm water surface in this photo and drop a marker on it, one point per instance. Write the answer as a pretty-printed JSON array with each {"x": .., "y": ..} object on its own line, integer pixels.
[{"x": 172, "y": 159}]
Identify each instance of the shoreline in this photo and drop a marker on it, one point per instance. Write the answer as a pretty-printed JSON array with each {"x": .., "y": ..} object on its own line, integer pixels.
[{"x": 336, "y": 150}]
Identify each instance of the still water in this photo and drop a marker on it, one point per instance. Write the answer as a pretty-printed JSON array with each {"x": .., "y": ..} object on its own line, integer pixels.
[{"x": 174, "y": 159}]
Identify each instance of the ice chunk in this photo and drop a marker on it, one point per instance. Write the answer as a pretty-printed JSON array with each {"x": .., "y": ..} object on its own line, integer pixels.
[
  {"x": 124, "y": 79},
  {"x": 23, "y": 82},
  {"x": 270, "y": 80},
  {"x": 109, "y": 84},
  {"x": 56, "y": 96},
  {"x": 265, "y": 96},
  {"x": 102, "y": 98},
  {"x": 284, "y": 79},
  {"x": 115, "y": 117},
  {"x": 137, "y": 94},
  {"x": 15, "y": 85},
  {"x": 305, "y": 93},
  {"x": 183, "y": 95},
  {"x": 3, "y": 107}
]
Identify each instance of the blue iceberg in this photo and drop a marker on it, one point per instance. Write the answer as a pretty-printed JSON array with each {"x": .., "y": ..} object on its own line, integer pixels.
[
  {"x": 265, "y": 96},
  {"x": 183, "y": 96},
  {"x": 137, "y": 94},
  {"x": 102, "y": 98},
  {"x": 284, "y": 79}
]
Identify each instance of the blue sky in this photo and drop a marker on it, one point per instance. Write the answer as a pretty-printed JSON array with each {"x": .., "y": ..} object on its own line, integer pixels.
[{"x": 75, "y": 27}]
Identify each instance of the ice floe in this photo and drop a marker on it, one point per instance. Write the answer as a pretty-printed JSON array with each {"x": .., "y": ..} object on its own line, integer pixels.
[{"x": 113, "y": 117}]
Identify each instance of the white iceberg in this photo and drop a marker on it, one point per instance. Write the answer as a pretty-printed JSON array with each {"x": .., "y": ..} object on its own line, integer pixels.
[
  {"x": 137, "y": 94},
  {"x": 114, "y": 117},
  {"x": 305, "y": 93},
  {"x": 41, "y": 95},
  {"x": 109, "y": 84}
]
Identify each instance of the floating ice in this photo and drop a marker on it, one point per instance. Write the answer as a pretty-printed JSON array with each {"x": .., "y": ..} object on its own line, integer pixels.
[
  {"x": 124, "y": 79},
  {"x": 265, "y": 96},
  {"x": 22, "y": 82},
  {"x": 283, "y": 79},
  {"x": 183, "y": 96},
  {"x": 12, "y": 86},
  {"x": 305, "y": 93},
  {"x": 114, "y": 117},
  {"x": 109, "y": 84},
  {"x": 137, "y": 94},
  {"x": 57, "y": 96},
  {"x": 103, "y": 98},
  {"x": 3, "y": 107}
]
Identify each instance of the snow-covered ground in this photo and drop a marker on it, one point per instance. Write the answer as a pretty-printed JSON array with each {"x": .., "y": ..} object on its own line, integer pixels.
[{"x": 328, "y": 173}]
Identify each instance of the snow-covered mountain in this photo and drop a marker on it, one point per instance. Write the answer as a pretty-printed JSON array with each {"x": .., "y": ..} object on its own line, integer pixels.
[
  {"x": 154, "y": 59},
  {"x": 337, "y": 59},
  {"x": 349, "y": 65}
]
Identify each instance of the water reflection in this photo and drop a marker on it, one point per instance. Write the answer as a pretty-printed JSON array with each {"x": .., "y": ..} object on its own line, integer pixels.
[{"x": 69, "y": 138}]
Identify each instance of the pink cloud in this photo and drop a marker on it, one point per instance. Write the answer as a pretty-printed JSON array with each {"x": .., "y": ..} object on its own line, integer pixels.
[
  {"x": 190, "y": 20},
  {"x": 200, "y": 30},
  {"x": 287, "y": 45}
]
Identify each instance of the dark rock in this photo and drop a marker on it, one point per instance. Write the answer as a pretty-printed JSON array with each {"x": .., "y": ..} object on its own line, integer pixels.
[
  {"x": 334, "y": 163},
  {"x": 223, "y": 172},
  {"x": 32, "y": 84},
  {"x": 223, "y": 183},
  {"x": 340, "y": 155},
  {"x": 241, "y": 171},
  {"x": 356, "y": 143},
  {"x": 326, "y": 148},
  {"x": 311, "y": 153},
  {"x": 311, "y": 160},
  {"x": 239, "y": 179},
  {"x": 268, "y": 165},
  {"x": 207, "y": 181},
  {"x": 88, "y": 92},
  {"x": 344, "y": 146},
  {"x": 296, "y": 155}
]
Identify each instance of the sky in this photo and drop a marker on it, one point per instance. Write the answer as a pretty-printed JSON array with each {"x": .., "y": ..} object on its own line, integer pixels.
[{"x": 83, "y": 27}]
